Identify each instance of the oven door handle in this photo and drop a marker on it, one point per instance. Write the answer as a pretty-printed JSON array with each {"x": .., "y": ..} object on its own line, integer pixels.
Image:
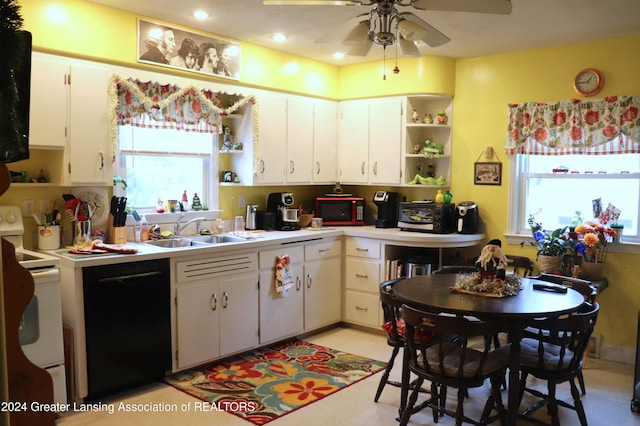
[{"x": 45, "y": 274}]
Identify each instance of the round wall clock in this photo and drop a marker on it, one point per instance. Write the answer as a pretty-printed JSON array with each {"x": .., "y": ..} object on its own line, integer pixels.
[{"x": 588, "y": 82}]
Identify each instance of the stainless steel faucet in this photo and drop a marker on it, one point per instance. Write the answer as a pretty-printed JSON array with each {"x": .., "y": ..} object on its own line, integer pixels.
[{"x": 178, "y": 227}]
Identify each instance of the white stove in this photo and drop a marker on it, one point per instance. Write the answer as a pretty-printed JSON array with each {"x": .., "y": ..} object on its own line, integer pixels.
[{"x": 41, "y": 326}]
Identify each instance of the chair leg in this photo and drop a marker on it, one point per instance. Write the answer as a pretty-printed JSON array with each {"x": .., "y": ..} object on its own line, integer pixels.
[
  {"x": 552, "y": 403},
  {"x": 581, "y": 382},
  {"x": 385, "y": 375},
  {"x": 460, "y": 408},
  {"x": 578, "y": 404},
  {"x": 408, "y": 409}
]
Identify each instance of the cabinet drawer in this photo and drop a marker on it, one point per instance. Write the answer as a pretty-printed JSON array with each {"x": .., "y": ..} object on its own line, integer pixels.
[
  {"x": 321, "y": 250},
  {"x": 267, "y": 258},
  {"x": 363, "y": 247},
  {"x": 362, "y": 308},
  {"x": 362, "y": 274}
]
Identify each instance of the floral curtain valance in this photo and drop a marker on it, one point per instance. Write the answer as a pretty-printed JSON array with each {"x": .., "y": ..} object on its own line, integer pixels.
[
  {"x": 597, "y": 126},
  {"x": 151, "y": 104}
]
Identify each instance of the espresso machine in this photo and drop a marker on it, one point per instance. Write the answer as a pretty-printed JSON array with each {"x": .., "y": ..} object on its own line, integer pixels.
[
  {"x": 282, "y": 204},
  {"x": 387, "y": 203}
]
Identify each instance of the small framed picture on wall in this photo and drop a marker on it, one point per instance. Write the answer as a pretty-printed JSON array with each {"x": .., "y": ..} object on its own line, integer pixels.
[{"x": 487, "y": 174}]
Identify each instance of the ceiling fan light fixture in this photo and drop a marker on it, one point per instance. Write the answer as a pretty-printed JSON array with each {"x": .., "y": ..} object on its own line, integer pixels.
[
  {"x": 408, "y": 48},
  {"x": 409, "y": 30},
  {"x": 358, "y": 35}
]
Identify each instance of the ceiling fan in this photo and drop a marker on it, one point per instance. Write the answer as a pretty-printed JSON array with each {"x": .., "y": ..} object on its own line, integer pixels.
[{"x": 384, "y": 25}]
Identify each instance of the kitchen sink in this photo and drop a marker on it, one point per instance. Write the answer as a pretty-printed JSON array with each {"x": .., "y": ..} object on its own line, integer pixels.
[{"x": 195, "y": 241}]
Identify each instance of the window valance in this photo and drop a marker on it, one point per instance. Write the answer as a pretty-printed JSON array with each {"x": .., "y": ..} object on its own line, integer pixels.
[
  {"x": 154, "y": 105},
  {"x": 596, "y": 127}
]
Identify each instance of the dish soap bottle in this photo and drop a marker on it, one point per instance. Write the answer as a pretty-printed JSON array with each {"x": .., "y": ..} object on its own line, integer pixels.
[{"x": 144, "y": 229}]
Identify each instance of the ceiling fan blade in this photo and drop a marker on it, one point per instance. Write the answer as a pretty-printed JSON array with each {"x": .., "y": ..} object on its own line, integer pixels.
[
  {"x": 362, "y": 50},
  {"x": 308, "y": 2},
  {"x": 408, "y": 48},
  {"x": 339, "y": 33},
  {"x": 434, "y": 38},
  {"x": 499, "y": 7}
]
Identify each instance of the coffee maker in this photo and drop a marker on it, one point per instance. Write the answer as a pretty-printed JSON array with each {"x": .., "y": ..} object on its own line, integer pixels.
[
  {"x": 282, "y": 204},
  {"x": 387, "y": 203}
]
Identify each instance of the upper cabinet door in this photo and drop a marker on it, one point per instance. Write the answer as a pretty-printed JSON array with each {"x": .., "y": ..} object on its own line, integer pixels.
[
  {"x": 48, "y": 105},
  {"x": 299, "y": 140},
  {"x": 354, "y": 141},
  {"x": 270, "y": 153},
  {"x": 385, "y": 140},
  {"x": 89, "y": 156},
  {"x": 325, "y": 142}
]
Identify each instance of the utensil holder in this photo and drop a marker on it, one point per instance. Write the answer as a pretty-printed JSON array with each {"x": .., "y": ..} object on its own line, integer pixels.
[
  {"x": 82, "y": 233},
  {"x": 116, "y": 235},
  {"x": 49, "y": 237}
]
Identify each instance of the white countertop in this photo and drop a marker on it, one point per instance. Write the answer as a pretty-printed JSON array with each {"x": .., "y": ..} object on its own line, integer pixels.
[{"x": 393, "y": 236}]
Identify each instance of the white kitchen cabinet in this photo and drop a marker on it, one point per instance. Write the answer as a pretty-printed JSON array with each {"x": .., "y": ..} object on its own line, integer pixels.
[
  {"x": 48, "y": 105},
  {"x": 385, "y": 136},
  {"x": 415, "y": 135},
  {"x": 323, "y": 284},
  {"x": 69, "y": 110},
  {"x": 363, "y": 275},
  {"x": 88, "y": 153},
  {"x": 299, "y": 140},
  {"x": 270, "y": 153},
  {"x": 370, "y": 141},
  {"x": 354, "y": 141},
  {"x": 314, "y": 301},
  {"x": 325, "y": 142},
  {"x": 281, "y": 315},
  {"x": 216, "y": 307}
]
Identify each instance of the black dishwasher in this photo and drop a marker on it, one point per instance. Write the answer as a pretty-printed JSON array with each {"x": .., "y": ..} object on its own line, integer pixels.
[{"x": 127, "y": 325}]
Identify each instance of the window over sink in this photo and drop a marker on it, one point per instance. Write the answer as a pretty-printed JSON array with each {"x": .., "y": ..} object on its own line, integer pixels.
[{"x": 163, "y": 163}]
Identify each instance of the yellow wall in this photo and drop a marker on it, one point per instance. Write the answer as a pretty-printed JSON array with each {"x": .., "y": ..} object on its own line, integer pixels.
[{"x": 482, "y": 86}]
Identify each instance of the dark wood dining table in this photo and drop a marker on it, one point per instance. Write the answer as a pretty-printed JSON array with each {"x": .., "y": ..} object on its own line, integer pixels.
[{"x": 433, "y": 293}]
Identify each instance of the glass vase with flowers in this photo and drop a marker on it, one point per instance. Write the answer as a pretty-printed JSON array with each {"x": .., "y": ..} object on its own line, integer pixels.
[{"x": 593, "y": 247}]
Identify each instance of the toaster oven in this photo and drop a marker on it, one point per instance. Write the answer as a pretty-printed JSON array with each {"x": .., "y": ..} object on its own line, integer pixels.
[{"x": 424, "y": 216}]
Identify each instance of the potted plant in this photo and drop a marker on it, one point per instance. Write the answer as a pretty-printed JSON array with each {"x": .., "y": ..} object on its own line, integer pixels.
[{"x": 552, "y": 245}]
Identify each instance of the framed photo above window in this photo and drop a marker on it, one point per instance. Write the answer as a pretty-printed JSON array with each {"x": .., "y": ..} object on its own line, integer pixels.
[
  {"x": 487, "y": 173},
  {"x": 159, "y": 44}
]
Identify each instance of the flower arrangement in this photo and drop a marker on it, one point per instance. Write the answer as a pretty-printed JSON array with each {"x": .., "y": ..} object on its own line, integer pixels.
[{"x": 595, "y": 240}]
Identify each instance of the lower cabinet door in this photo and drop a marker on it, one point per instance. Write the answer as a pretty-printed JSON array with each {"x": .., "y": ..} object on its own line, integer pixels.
[
  {"x": 238, "y": 298},
  {"x": 197, "y": 323},
  {"x": 281, "y": 314}
]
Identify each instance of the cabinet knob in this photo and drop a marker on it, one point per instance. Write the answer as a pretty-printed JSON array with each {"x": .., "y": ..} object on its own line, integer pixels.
[
  {"x": 362, "y": 276},
  {"x": 362, "y": 168},
  {"x": 375, "y": 168},
  {"x": 292, "y": 167},
  {"x": 308, "y": 281},
  {"x": 225, "y": 300},
  {"x": 317, "y": 167}
]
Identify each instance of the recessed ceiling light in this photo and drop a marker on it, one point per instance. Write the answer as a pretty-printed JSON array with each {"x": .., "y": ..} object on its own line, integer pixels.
[
  {"x": 338, "y": 55},
  {"x": 279, "y": 37},
  {"x": 200, "y": 14}
]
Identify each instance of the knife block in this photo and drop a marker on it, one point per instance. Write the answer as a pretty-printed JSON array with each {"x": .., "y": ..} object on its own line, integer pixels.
[{"x": 116, "y": 235}]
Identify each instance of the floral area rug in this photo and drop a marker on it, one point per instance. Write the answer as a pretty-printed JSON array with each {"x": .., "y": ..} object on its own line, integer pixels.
[{"x": 263, "y": 385}]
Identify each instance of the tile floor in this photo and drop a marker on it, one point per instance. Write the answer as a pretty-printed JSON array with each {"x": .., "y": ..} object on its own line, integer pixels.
[{"x": 607, "y": 402}]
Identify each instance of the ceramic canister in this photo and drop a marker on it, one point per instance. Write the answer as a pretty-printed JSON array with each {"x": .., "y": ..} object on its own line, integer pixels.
[{"x": 49, "y": 237}]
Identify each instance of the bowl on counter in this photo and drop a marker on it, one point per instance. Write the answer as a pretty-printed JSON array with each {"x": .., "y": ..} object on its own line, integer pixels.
[{"x": 305, "y": 220}]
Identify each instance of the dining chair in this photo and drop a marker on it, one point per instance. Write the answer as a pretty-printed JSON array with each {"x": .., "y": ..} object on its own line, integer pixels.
[
  {"x": 521, "y": 265},
  {"x": 583, "y": 287},
  {"x": 446, "y": 363},
  {"x": 557, "y": 361},
  {"x": 394, "y": 325}
]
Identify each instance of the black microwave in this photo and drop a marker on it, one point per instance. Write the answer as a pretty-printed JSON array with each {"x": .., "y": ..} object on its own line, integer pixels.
[
  {"x": 423, "y": 216},
  {"x": 340, "y": 210}
]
